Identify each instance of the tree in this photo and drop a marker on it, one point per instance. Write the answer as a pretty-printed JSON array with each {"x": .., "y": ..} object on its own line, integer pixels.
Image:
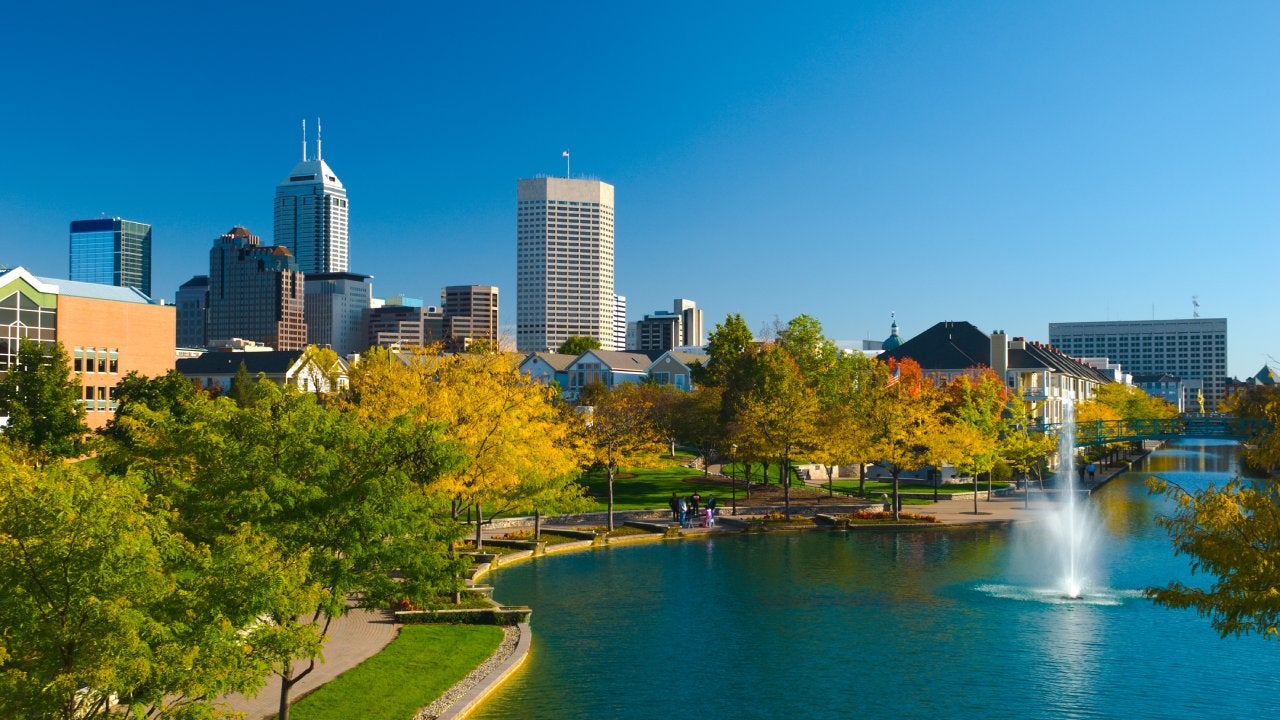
[
  {"x": 975, "y": 407},
  {"x": 843, "y": 436},
  {"x": 727, "y": 342},
  {"x": 619, "y": 428},
  {"x": 516, "y": 445},
  {"x": 779, "y": 414},
  {"x": 352, "y": 498},
  {"x": 696, "y": 418},
  {"x": 42, "y": 400},
  {"x": 904, "y": 420},
  {"x": 1020, "y": 448},
  {"x": 578, "y": 344},
  {"x": 1233, "y": 534},
  {"x": 803, "y": 339},
  {"x": 1262, "y": 452},
  {"x": 102, "y": 597}
]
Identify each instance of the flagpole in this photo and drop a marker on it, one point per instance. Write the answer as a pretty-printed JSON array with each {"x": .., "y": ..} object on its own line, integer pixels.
[{"x": 567, "y": 175}]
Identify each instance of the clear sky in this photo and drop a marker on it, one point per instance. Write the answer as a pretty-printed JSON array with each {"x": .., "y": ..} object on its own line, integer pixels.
[{"x": 1009, "y": 164}]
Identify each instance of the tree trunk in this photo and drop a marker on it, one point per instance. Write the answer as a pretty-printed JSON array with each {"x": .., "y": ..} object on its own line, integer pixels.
[
  {"x": 862, "y": 479},
  {"x": 479, "y": 524},
  {"x": 784, "y": 476},
  {"x": 537, "y": 526},
  {"x": 896, "y": 501},
  {"x": 746, "y": 467},
  {"x": 831, "y": 478},
  {"x": 613, "y": 470}
]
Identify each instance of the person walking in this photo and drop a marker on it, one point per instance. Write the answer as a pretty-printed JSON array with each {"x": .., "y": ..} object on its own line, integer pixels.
[
  {"x": 711, "y": 508},
  {"x": 675, "y": 507},
  {"x": 1092, "y": 468},
  {"x": 695, "y": 502},
  {"x": 683, "y": 510}
]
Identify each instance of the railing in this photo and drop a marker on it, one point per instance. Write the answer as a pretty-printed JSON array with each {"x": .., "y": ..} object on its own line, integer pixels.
[{"x": 1101, "y": 432}]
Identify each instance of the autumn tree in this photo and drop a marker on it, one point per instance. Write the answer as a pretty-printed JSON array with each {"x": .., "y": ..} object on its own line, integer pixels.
[
  {"x": 975, "y": 407},
  {"x": 697, "y": 419},
  {"x": 1232, "y": 534},
  {"x": 619, "y": 428},
  {"x": 42, "y": 400},
  {"x": 577, "y": 344},
  {"x": 517, "y": 447},
  {"x": 844, "y": 397},
  {"x": 1020, "y": 448},
  {"x": 1262, "y": 452},
  {"x": 904, "y": 420},
  {"x": 778, "y": 416}
]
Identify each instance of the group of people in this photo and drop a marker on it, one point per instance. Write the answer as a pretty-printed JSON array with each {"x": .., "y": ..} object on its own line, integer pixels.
[{"x": 685, "y": 510}]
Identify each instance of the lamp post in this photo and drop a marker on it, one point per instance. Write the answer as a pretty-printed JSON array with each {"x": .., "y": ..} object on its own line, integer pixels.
[{"x": 733, "y": 477}]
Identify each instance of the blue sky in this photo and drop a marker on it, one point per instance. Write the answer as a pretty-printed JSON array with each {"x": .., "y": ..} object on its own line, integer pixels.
[{"x": 1009, "y": 164}]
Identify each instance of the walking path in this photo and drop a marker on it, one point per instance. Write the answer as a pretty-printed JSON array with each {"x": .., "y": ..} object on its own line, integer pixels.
[
  {"x": 360, "y": 634},
  {"x": 353, "y": 638}
]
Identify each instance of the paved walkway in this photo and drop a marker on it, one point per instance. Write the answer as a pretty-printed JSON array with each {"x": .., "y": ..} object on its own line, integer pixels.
[{"x": 353, "y": 638}]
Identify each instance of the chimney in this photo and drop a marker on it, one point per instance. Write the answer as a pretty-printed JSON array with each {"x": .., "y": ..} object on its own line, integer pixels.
[
  {"x": 1000, "y": 354},
  {"x": 1018, "y": 344}
]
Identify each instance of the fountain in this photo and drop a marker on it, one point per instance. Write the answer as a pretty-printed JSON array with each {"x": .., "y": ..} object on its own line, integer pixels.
[{"x": 1071, "y": 524}]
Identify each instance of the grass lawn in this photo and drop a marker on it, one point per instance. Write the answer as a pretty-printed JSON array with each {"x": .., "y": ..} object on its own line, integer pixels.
[
  {"x": 415, "y": 669},
  {"x": 648, "y": 487}
]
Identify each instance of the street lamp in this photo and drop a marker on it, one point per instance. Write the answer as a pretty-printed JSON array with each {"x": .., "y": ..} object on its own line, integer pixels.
[{"x": 733, "y": 476}]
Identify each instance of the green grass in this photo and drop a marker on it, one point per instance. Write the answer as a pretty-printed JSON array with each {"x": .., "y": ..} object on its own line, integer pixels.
[
  {"x": 641, "y": 488},
  {"x": 415, "y": 669}
]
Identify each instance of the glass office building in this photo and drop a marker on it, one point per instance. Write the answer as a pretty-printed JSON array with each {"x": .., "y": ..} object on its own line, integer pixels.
[{"x": 112, "y": 251}]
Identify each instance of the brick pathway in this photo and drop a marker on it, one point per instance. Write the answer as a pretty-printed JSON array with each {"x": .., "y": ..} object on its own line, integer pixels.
[{"x": 353, "y": 638}]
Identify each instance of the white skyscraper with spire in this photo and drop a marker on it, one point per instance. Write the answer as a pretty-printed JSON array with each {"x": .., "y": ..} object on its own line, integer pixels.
[{"x": 311, "y": 213}]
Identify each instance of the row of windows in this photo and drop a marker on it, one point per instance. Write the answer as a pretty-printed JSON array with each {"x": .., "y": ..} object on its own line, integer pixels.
[
  {"x": 98, "y": 398},
  {"x": 95, "y": 360}
]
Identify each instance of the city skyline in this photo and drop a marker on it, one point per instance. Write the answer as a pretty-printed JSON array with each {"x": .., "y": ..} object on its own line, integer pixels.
[{"x": 1008, "y": 166}]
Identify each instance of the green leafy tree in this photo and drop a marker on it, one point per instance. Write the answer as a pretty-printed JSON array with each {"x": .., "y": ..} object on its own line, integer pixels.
[
  {"x": 103, "y": 598},
  {"x": 975, "y": 408},
  {"x": 353, "y": 498},
  {"x": 803, "y": 339},
  {"x": 1262, "y": 452},
  {"x": 577, "y": 344},
  {"x": 843, "y": 436},
  {"x": 42, "y": 400},
  {"x": 726, "y": 343}
]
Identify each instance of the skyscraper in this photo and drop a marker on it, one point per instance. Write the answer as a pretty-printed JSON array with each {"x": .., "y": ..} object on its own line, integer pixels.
[
  {"x": 564, "y": 262},
  {"x": 112, "y": 251},
  {"x": 255, "y": 293},
  {"x": 192, "y": 301},
  {"x": 311, "y": 214},
  {"x": 470, "y": 313},
  {"x": 334, "y": 308}
]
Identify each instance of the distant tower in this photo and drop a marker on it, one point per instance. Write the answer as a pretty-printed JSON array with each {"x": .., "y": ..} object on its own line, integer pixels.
[
  {"x": 564, "y": 263},
  {"x": 311, "y": 214},
  {"x": 192, "y": 301},
  {"x": 691, "y": 322},
  {"x": 111, "y": 251}
]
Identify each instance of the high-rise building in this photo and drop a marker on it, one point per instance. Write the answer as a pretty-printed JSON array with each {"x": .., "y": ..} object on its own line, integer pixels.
[
  {"x": 659, "y": 332},
  {"x": 620, "y": 322},
  {"x": 192, "y": 301},
  {"x": 255, "y": 293},
  {"x": 691, "y": 322},
  {"x": 112, "y": 251},
  {"x": 334, "y": 309},
  {"x": 404, "y": 324},
  {"x": 1192, "y": 350},
  {"x": 311, "y": 214},
  {"x": 564, "y": 263},
  {"x": 470, "y": 313}
]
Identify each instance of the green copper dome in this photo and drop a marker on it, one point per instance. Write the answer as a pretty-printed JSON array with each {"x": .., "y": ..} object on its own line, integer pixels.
[{"x": 894, "y": 340}]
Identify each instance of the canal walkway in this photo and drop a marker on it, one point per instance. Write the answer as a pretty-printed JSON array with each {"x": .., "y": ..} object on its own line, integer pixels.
[{"x": 360, "y": 634}]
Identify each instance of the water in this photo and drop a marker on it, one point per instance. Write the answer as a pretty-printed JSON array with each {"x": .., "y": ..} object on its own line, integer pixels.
[
  {"x": 1066, "y": 541},
  {"x": 917, "y": 625}
]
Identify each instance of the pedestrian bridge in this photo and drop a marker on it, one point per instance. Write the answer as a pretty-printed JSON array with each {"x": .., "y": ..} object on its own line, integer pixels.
[{"x": 1102, "y": 432}]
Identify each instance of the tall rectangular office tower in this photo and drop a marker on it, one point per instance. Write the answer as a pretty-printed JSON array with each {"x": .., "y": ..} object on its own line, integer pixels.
[
  {"x": 564, "y": 262},
  {"x": 112, "y": 251},
  {"x": 1193, "y": 349},
  {"x": 311, "y": 214}
]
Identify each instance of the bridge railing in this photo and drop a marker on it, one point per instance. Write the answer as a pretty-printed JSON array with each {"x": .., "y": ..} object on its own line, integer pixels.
[{"x": 1099, "y": 432}]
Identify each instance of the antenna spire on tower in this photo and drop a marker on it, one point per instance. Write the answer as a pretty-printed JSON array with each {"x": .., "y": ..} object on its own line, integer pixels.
[
  {"x": 319, "y": 153},
  {"x": 304, "y": 139}
]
